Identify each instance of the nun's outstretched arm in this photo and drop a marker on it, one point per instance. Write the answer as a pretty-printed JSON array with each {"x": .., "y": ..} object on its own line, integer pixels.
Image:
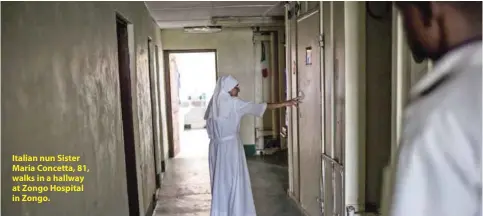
[
  {"x": 258, "y": 109},
  {"x": 293, "y": 102}
]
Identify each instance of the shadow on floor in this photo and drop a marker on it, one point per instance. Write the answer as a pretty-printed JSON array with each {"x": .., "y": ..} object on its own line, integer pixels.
[{"x": 279, "y": 158}]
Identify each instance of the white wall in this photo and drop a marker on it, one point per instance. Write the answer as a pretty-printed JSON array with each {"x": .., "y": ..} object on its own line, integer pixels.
[{"x": 234, "y": 57}]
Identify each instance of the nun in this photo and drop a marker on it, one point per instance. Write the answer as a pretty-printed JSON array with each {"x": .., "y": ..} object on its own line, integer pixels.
[{"x": 230, "y": 182}]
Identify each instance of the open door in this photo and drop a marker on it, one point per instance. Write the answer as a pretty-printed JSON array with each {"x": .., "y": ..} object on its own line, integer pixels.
[{"x": 310, "y": 137}]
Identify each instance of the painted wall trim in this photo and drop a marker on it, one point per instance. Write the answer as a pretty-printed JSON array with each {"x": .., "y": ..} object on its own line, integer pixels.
[
  {"x": 250, "y": 149},
  {"x": 355, "y": 109}
]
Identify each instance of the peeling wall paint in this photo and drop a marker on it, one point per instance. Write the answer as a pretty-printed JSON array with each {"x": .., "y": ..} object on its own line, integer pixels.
[{"x": 60, "y": 95}]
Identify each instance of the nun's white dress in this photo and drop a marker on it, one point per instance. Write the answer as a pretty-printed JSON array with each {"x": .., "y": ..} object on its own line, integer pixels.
[{"x": 230, "y": 180}]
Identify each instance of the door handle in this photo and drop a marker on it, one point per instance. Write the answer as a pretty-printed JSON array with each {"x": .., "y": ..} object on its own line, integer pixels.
[{"x": 301, "y": 95}]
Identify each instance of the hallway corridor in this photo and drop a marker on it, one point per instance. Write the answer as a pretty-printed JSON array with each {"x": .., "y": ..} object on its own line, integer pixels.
[
  {"x": 185, "y": 190},
  {"x": 95, "y": 81}
]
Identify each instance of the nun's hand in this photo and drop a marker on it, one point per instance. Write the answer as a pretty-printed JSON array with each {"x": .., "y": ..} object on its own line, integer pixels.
[
  {"x": 298, "y": 99},
  {"x": 293, "y": 102}
]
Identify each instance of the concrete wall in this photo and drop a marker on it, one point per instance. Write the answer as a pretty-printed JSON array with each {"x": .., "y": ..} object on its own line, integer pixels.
[
  {"x": 234, "y": 57},
  {"x": 60, "y": 95},
  {"x": 378, "y": 94}
]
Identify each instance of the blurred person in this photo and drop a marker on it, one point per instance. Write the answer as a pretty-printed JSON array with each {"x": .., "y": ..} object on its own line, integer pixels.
[{"x": 437, "y": 169}]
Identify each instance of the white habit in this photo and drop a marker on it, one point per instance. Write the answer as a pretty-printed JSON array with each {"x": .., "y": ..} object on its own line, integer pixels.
[
  {"x": 437, "y": 170},
  {"x": 230, "y": 182}
]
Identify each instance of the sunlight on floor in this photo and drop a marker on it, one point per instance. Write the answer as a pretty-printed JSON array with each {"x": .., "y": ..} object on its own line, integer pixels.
[
  {"x": 194, "y": 144},
  {"x": 185, "y": 189}
]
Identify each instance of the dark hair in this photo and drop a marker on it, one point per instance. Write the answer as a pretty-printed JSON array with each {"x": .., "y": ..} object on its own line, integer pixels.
[
  {"x": 471, "y": 10},
  {"x": 422, "y": 6}
]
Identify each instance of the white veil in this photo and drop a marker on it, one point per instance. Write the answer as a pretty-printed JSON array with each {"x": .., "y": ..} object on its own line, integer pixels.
[{"x": 221, "y": 101}]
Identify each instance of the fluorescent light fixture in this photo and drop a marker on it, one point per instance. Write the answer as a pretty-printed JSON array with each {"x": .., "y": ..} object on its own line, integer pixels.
[
  {"x": 202, "y": 29},
  {"x": 248, "y": 21}
]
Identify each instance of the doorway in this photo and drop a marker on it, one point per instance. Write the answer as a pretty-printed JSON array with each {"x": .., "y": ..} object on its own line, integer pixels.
[
  {"x": 127, "y": 114},
  {"x": 192, "y": 79},
  {"x": 153, "y": 85}
]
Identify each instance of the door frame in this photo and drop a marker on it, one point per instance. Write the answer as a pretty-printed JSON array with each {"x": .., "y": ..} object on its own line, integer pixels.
[
  {"x": 153, "y": 86},
  {"x": 128, "y": 121},
  {"x": 160, "y": 115},
  {"x": 169, "y": 108}
]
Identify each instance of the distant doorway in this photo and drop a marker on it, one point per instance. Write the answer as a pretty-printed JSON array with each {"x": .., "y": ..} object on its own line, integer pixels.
[{"x": 192, "y": 79}]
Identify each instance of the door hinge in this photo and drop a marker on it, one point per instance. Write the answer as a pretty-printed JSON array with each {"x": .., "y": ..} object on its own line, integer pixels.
[
  {"x": 321, "y": 40},
  {"x": 321, "y": 205}
]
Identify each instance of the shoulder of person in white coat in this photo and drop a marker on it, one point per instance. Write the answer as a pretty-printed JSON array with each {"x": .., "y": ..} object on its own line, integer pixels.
[{"x": 437, "y": 170}]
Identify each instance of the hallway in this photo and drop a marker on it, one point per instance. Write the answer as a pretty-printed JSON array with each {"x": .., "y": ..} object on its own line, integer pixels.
[
  {"x": 186, "y": 184},
  {"x": 95, "y": 80}
]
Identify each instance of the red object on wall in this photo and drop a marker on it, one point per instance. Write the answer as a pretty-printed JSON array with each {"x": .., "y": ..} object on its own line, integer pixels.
[
  {"x": 265, "y": 72},
  {"x": 264, "y": 63}
]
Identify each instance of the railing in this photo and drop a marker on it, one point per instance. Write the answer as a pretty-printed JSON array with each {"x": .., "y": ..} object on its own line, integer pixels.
[
  {"x": 337, "y": 169},
  {"x": 340, "y": 209}
]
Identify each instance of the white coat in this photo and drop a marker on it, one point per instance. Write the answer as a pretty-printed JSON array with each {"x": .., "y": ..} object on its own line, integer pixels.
[
  {"x": 437, "y": 170},
  {"x": 230, "y": 181}
]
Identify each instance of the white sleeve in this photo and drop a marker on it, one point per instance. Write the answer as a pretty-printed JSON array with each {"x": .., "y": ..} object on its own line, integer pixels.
[
  {"x": 437, "y": 173},
  {"x": 250, "y": 108}
]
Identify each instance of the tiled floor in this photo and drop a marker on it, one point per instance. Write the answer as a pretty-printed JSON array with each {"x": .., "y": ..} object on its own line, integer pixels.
[{"x": 186, "y": 185}]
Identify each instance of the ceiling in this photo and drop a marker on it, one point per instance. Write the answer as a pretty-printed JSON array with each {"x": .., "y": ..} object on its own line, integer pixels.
[{"x": 178, "y": 14}]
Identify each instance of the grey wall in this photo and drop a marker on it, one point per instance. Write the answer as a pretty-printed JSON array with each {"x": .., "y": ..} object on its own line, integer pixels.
[
  {"x": 60, "y": 95},
  {"x": 235, "y": 56},
  {"x": 378, "y": 94}
]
